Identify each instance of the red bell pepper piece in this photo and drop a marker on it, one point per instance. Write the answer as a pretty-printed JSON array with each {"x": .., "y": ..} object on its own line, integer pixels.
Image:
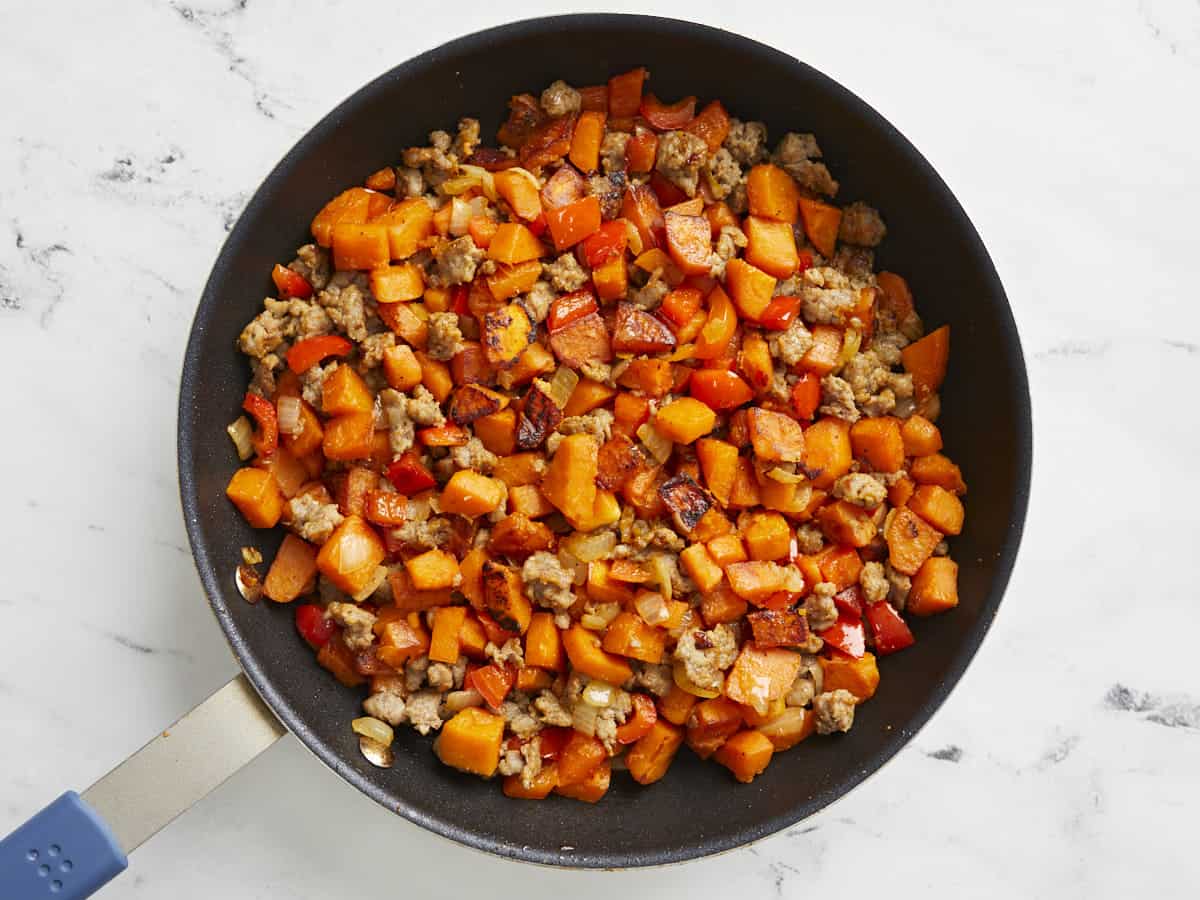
[
  {"x": 553, "y": 740},
  {"x": 681, "y": 304},
  {"x": 290, "y": 284},
  {"x": 846, "y": 634},
  {"x": 625, "y": 93},
  {"x": 889, "y": 631},
  {"x": 448, "y": 435},
  {"x": 806, "y": 395},
  {"x": 806, "y": 262},
  {"x": 779, "y": 313},
  {"x": 538, "y": 225},
  {"x": 493, "y": 683},
  {"x": 570, "y": 308},
  {"x": 779, "y": 600},
  {"x": 313, "y": 626},
  {"x": 849, "y": 602},
  {"x": 667, "y": 192},
  {"x": 719, "y": 389},
  {"x": 307, "y": 353},
  {"x": 668, "y": 117},
  {"x": 262, "y": 410},
  {"x": 458, "y": 300},
  {"x": 409, "y": 476},
  {"x": 606, "y": 243},
  {"x": 492, "y": 629},
  {"x": 639, "y": 722}
]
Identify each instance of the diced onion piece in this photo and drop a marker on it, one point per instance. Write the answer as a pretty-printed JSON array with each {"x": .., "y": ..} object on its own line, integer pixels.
[
  {"x": 634, "y": 238},
  {"x": 599, "y": 693},
  {"x": 607, "y": 611},
  {"x": 478, "y": 206},
  {"x": 375, "y": 729},
  {"x": 679, "y": 673},
  {"x": 851, "y": 341},
  {"x": 240, "y": 432},
  {"x": 457, "y": 701},
  {"x": 486, "y": 181},
  {"x": 460, "y": 216},
  {"x": 588, "y": 546},
  {"x": 784, "y": 476},
  {"x": 583, "y": 718},
  {"x": 375, "y": 753},
  {"x": 652, "y": 607},
  {"x": 288, "y": 409},
  {"x": 562, "y": 385},
  {"x": 658, "y": 444},
  {"x": 528, "y": 176},
  {"x": 592, "y": 622},
  {"x": 378, "y": 577},
  {"x": 460, "y": 183},
  {"x": 661, "y": 570}
]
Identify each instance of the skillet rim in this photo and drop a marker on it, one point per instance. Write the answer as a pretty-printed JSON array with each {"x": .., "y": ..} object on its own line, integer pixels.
[{"x": 278, "y": 702}]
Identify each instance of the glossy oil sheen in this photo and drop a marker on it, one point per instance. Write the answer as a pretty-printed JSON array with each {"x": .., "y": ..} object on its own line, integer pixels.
[{"x": 697, "y": 809}]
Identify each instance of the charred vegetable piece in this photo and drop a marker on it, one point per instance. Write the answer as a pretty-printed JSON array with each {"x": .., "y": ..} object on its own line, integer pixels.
[
  {"x": 474, "y": 401},
  {"x": 687, "y": 501},
  {"x": 636, "y": 331},
  {"x": 540, "y": 416},
  {"x": 506, "y": 334}
]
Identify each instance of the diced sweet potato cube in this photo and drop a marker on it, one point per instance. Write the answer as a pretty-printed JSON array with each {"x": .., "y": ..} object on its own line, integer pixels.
[
  {"x": 518, "y": 536},
  {"x": 539, "y": 788},
  {"x": 407, "y": 223},
  {"x": 822, "y": 357},
  {"x": 821, "y": 224},
  {"x": 767, "y": 536},
  {"x": 910, "y": 541},
  {"x": 771, "y": 247},
  {"x": 393, "y": 284},
  {"x": 408, "y": 599},
  {"x": 359, "y": 246},
  {"x": 592, "y": 788},
  {"x": 588, "y": 657},
  {"x": 606, "y": 510},
  {"x": 934, "y": 587},
  {"x": 650, "y": 757},
  {"x": 776, "y": 437},
  {"x": 498, "y": 432},
  {"x": 351, "y": 554},
  {"x": 348, "y": 207},
  {"x": 433, "y": 570},
  {"x": 539, "y": 417},
  {"x": 338, "y": 659},
  {"x": 684, "y": 420},
  {"x": 778, "y": 628},
  {"x": 344, "y": 391},
  {"x": 520, "y": 468},
  {"x": 827, "y": 454},
  {"x": 755, "y": 580},
  {"x": 700, "y": 567},
  {"x": 689, "y": 241},
  {"x": 750, "y": 287},
  {"x": 900, "y": 490},
  {"x": 349, "y": 436},
  {"x": 471, "y": 741},
  {"x": 506, "y": 334},
  {"x": 926, "y": 360},
  {"x": 293, "y": 571},
  {"x": 586, "y": 339},
  {"x": 746, "y": 754},
  {"x": 761, "y": 675},
  {"x": 939, "y": 470},
  {"x": 858, "y": 676},
  {"x": 400, "y": 368},
  {"x": 921, "y": 437},
  {"x": 472, "y": 494},
  {"x": 570, "y": 480},
  {"x": 844, "y": 523},
  {"x": 745, "y": 492},
  {"x": 687, "y": 501},
  {"x": 772, "y": 194},
  {"x": 504, "y": 598},
  {"x": 543, "y": 643},
  {"x": 405, "y": 323},
  {"x": 652, "y": 377},
  {"x": 611, "y": 279},
  {"x": 447, "y": 623},
  {"x": 938, "y": 507},
  {"x": 603, "y": 588},
  {"x": 587, "y": 396},
  {"x": 619, "y": 459},
  {"x": 755, "y": 364},
  {"x": 636, "y": 331},
  {"x": 513, "y": 243},
  {"x": 727, "y": 549},
  {"x": 721, "y": 604},
  {"x": 474, "y": 401},
  {"x": 520, "y": 193},
  {"x": 257, "y": 496},
  {"x": 718, "y": 462},
  {"x": 710, "y": 723},
  {"x": 628, "y": 635},
  {"x": 878, "y": 441}
]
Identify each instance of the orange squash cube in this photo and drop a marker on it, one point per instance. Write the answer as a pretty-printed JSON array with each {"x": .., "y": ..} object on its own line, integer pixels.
[
  {"x": 750, "y": 287},
  {"x": 921, "y": 437},
  {"x": 344, "y": 391},
  {"x": 858, "y": 676},
  {"x": 433, "y": 570},
  {"x": 514, "y": 243},
  {"x": 351, "y": 554},
  {"x": 588, "y": 657},
  {"x": 878, "y": 441},
  {"x": 393, "y": 284},
  {"x": 767, "y": 536},
  {"x": 934, "y": 587},
  {"x": 771, "y": 246},
  {"x": 651, "y": 755},
  {"x": 939, "y": 507},
  {"x": 256, "y": 495},
  {"x": 472, "y": 494},
  {"x": 447, "y": 624},
  {"x": 349, "y": 436},
  {"x": 359, "y": 246},
  {"x": 827, "y": 451},
  {"x": 772, "y": 194},
  {"x": 789, "y": 728},
  {"x": 349, "y": 207},
  {"x": 471, "y": 741},
  {"x": 628, "y": 635},
  {"x": 543, "y": 643},
  {"x": 746, "y": 754}
]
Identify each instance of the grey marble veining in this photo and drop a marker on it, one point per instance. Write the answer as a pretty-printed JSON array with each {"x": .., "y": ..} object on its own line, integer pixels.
[{"x": 1066, "y": 762}]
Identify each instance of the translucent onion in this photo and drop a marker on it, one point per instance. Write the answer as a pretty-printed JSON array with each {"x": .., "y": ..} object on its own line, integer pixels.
[
  {"x": 592, "y": 622},
  {"x": 652, "y": 607},
  {"x": 478, "y": 206},
  {"x": 375, "y": 729},
  {"x": 785, "y": 476},
  {"x": 679, "y": 673},
  {"x": 375, "y": 753},
  {"x": 634, "y": 238},
  {"x": 588, "y": 546},
  {"x": 583, "y": 718},
  {"x": 562, "y": 385},
  {"x": 599, "y": 693},
  {"x": 486, "y": 181},
  {"x": 460, "y": 183},
  {"x": 606, "y": 611},
  {"x": 661, "y": 570},
  {"x": 240, "y": 432},
  {"x": 460, "y": 216},
  {"x": 288, "y": 411},
  {"x": 689, "y": 621},
  {"x": 659, "y": 445},
  {"x": 851, "y": 341},
  {"x": 377, "y": 578},
  {"x": 456, "y": 701},
  {"x": 528, "y": 176}
]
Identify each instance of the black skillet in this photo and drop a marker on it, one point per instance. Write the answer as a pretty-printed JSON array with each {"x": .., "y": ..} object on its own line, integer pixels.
[{"x": 697, "y": 809}]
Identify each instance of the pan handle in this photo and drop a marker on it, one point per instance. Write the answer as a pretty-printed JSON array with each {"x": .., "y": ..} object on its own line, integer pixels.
[{"x": 78, "y": 844}]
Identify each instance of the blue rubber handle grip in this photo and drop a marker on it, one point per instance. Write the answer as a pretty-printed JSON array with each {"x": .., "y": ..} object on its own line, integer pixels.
[{"x": 66, "y": 852}]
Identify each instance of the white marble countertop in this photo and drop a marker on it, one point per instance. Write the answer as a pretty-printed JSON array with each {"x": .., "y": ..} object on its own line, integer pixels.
[{"x": 1065, "y": 764}]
